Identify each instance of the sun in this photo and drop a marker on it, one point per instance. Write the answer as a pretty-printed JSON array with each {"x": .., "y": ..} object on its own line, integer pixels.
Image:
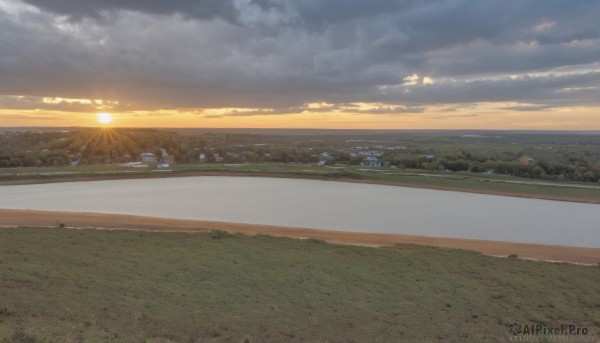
[{"x": 104, "y": 118}]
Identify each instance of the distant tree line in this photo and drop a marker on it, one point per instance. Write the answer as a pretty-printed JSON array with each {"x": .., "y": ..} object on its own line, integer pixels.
[
  {"x": 575, "y": 169},
  {"x": 106, "y": 146},
  {"x": 93, "y": 146}
]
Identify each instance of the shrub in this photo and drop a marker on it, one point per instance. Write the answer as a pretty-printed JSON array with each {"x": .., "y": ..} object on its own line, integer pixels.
[
  {"x": 315, "y": 240},
  {"x": 20, "y": 337},
  {"x": 219, "y": 234}
]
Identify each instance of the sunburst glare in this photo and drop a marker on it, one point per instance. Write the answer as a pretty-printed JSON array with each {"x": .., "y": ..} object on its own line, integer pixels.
[{"x": 104, "y": 118}]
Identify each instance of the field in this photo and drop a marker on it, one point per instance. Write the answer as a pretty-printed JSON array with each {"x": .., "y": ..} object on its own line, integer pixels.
[
  {"x": 458, "y": 181},
  {"x": 68, "y": 285}
]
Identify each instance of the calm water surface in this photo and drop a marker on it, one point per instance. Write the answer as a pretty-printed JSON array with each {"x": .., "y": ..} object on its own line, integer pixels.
[{"x": 323, "y": 204}]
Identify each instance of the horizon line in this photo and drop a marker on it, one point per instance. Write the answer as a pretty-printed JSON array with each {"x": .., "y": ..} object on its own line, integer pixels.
[{"x": 295, "y": 129}]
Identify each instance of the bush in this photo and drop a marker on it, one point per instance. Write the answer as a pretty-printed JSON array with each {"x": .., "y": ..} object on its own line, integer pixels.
[
  {"x": 219, "y": 234},
  {"x": 315, "y": 240},
  {"x": 20, "y": 337}
]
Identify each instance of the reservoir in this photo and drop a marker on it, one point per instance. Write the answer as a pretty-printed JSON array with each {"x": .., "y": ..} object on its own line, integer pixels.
[{"x": 323, "y": 205}]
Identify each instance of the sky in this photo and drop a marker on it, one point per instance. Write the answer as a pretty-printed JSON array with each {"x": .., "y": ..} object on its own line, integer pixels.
[{"x": 377, "y": 64}]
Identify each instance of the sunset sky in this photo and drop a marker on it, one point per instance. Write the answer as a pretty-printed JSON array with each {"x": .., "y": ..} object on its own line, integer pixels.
[{"x": 376, "y": 64}]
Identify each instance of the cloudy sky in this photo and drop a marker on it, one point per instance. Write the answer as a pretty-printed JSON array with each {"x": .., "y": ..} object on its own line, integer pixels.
[{"x": 497, "y": 64}]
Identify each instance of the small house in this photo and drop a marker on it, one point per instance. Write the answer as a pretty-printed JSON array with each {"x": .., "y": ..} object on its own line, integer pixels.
[
  {"x": 148, "y": 157},
  {"x": 371, "y": 161}
]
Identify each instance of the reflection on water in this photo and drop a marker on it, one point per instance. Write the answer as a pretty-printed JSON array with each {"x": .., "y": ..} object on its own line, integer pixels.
[{"x": 323, "y": 204}]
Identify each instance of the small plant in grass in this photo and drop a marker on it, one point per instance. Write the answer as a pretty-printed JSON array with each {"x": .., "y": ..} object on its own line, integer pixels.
[
  {"x": 61, "y": 225},
  {"x": 315, "y": 240},
  {"x": 513, "y": 256},
  {"x": 20, "y": 337},
  {"x": 219, "y": 234}
]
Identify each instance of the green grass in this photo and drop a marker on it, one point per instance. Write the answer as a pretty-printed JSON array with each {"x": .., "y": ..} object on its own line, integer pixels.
[
  {"x": 69, "y": 285},
  {"x": 78, "y": 169}
]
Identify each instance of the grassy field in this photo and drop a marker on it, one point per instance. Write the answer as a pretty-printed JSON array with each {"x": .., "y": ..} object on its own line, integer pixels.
[
  {"x": 473, "y": 182},
  {"x": 69, "y": 285}
]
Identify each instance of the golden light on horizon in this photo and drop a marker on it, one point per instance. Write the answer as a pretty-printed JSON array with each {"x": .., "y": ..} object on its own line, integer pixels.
[
  {"x": 104, "y": 118},
  {"x": 480, "y": 116}
]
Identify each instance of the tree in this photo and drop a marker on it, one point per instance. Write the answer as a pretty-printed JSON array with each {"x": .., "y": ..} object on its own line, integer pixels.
[
  {"x": 30, "y": 161},
  {"x": 590, "y": 177},
  {"x": 15, "y": 162},
  {"x": 538, "y": 172},
  {"x": 475, "y": 167},
  {"x": 355, "y": 160}
]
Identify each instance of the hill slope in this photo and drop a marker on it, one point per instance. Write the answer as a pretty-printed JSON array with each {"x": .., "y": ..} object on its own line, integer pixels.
[{"x": 74, "y": 285}]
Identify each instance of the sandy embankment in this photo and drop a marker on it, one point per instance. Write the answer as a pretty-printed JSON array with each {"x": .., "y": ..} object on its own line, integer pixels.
[{"x": 32, "y": 218}]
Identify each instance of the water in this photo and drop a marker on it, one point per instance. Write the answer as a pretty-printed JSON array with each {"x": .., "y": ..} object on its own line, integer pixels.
[{"x": 325, "y": 205}]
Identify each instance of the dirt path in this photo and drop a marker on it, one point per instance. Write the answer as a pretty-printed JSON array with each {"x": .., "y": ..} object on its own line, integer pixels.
[{"x": 25, "y": 218}]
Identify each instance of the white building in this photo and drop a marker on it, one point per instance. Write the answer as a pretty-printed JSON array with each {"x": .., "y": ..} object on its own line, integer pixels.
[
  {"x": 371, "y": 161},
  {"x": 148, "y": 157}
]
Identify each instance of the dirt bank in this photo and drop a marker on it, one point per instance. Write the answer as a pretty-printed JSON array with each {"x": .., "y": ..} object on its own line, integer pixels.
[{"x": 11, "y": 218}]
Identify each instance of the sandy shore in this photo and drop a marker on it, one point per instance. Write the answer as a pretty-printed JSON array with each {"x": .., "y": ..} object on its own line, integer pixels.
[
  {"x": 12, "y": 218},
  {"x": 53, "y": 179}
]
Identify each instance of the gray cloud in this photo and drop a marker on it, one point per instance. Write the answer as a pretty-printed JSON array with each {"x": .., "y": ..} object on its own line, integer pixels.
[
  {"x": 38, "y": 103},
  {"x": 342, "y": 108},
  {"x": 551, "y": 89},
  {"x": 77, "y": 9},
  {"x": 282, "y": 54},
  {"x": 528, "y": 108},
  {"x": 386, "y": 110}
]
